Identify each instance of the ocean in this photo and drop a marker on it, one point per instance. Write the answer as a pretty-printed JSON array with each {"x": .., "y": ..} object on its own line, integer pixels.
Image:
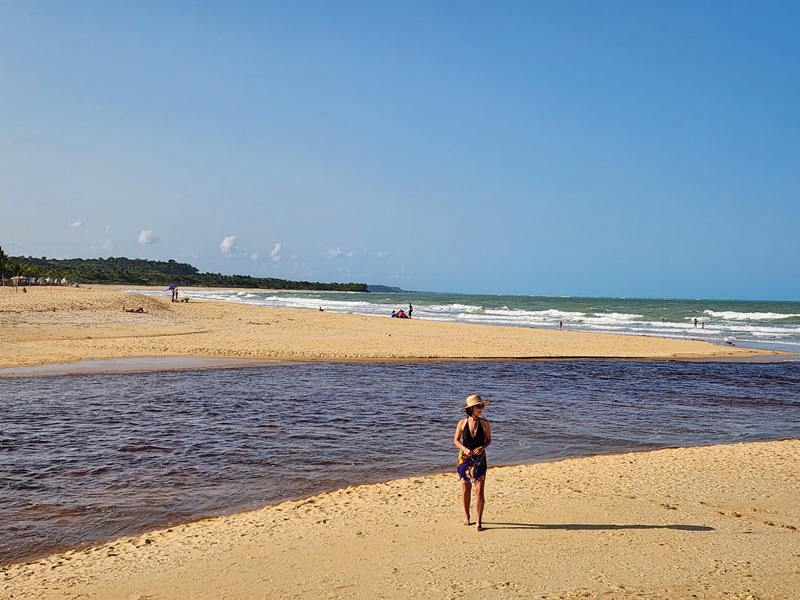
[
  {"x": 750, "y": 323},
  {"x": 91, "y": 457}
]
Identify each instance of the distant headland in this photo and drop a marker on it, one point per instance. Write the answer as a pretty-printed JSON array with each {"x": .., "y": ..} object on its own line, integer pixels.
[{"x": 138, "y": 271}]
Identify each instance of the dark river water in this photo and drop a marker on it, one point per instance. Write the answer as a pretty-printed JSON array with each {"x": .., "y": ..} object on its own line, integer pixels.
[{"x": 87, "y": 458}]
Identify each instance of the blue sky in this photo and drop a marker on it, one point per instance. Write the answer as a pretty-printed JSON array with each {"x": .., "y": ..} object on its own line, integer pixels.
[{"x": 554, "y": 148}]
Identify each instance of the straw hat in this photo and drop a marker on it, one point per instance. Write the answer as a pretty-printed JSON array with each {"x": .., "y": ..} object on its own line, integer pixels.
[{"x": 475, "y": 400}]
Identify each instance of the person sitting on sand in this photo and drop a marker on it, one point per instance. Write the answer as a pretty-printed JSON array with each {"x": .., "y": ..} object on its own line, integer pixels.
[
  {"x": 401, "y": 315},
  {"x": 472, "y": 437}
]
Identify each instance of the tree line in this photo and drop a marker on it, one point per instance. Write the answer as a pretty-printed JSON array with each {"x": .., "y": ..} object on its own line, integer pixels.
[{"x": 138, "y": 271}]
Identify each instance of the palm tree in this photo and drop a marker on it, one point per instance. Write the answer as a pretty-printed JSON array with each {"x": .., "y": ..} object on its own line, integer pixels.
[{"x": 3, "y": 263}]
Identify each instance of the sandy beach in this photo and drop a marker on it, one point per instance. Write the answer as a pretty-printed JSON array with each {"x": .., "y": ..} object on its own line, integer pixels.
[
  {"x": 706, "y": 522},
  {"x": 709, "y": 522},
  {"x": 63, "y": 325}
]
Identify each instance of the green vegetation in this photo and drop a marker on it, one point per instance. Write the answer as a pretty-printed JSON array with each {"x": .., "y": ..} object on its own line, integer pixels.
[
  {"x": 126, "y": 271},
  {"x": 11, "y": 267}
]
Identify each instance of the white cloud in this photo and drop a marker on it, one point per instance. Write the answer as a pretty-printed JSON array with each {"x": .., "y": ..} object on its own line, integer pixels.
[
  {"x": 106, "y": 245},
  {"x": 381, "y": 254},
  {"x": 254, "y": 257},
  {"x": 79, "y": 225},
  {"x": 276, "y": 253},
  {"x": 228, "y": 244},
  {"x": 146, "y": 237},
  {"x": 338, "y": 252}
]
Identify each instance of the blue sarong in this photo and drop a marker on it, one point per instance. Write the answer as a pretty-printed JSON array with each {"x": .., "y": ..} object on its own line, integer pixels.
[{"x": 471, "y": 468}]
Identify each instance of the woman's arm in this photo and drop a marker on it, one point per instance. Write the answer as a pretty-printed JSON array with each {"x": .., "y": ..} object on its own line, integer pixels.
[{"x": 457, "y": 438}]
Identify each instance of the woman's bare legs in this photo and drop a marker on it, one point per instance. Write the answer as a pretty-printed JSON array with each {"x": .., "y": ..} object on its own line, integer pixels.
[
  {"x": 479, "y": 502},
  {"x": 466, "y": 492}
]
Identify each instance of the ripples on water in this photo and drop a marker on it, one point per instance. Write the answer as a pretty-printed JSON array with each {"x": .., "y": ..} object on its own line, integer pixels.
[{"x": 92, "y": 457}]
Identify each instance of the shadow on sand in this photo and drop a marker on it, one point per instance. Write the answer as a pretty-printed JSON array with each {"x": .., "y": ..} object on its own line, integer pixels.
[{"x": 591, "y": 527}]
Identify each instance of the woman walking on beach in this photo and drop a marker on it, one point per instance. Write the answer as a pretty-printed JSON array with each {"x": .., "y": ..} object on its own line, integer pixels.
[{"x": 473, "y": 435}]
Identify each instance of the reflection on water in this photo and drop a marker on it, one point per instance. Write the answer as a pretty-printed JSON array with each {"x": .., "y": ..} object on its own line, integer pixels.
[{"x": 87, "y": 458}]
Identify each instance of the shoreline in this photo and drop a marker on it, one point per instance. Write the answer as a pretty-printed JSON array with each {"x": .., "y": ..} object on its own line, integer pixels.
[
  {"x": 193, "y": 363},
  {"x": 67, "y": 325},
  {"x": 663, "y": 523},
  {"x": 367, "y": 483}
]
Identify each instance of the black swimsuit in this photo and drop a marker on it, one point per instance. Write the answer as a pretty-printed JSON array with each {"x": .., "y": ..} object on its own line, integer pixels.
[{"x": 470, "y": 441}]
